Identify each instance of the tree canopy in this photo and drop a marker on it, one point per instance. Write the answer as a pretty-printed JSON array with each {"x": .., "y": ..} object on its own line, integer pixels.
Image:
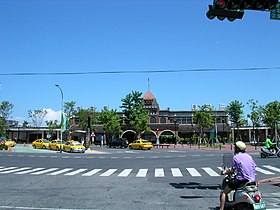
[{"x": 135, "y": 115}]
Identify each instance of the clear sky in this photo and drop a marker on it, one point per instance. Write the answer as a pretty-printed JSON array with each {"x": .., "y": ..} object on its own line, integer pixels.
[{"x": 132, "y": 37}]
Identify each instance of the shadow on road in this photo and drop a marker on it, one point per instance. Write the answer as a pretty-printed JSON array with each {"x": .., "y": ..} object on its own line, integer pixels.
[{"x": 195, "y": 185}]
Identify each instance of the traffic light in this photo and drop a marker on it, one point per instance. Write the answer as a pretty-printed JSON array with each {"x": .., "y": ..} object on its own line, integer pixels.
[
  {"x": 234, "y": 9},
  {"x": 245, "y": 4}
]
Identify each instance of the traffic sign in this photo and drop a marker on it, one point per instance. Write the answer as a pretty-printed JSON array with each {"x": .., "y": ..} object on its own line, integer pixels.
[{"x": 275, "y": 13}]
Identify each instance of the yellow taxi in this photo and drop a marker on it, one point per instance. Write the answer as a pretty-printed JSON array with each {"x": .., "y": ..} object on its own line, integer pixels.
[
  {"x": 140, "y": 144},
  {"x": 41, "y": 144},
  {"x": 73, "y": 146},
  {"x": 55, "y": 144},
  {"x": 10, "y": 143}
]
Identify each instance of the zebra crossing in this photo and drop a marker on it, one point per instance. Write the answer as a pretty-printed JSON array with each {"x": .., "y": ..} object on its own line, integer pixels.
[{"x": 143, "y": 172}]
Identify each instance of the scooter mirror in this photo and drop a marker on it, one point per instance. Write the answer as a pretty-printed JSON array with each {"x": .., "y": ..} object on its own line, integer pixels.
[{"x": 227, "y": 160}]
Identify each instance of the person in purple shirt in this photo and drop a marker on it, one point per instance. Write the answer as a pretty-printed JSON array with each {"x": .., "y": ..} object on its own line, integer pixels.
[{"x": 245, "y": 167}]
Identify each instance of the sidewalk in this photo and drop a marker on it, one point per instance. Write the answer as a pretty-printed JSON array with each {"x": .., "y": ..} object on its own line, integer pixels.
[{"x": 222, "y": 147}]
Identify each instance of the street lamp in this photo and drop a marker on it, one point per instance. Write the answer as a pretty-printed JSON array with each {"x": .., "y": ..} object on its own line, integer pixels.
[
  {"x": 61, "y": 115},
  {"x": 175, "y": 121}
]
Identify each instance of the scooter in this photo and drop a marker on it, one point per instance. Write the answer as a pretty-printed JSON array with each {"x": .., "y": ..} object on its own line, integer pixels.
[
  {"x": 246, "y": 197},
  {"x": 273, "y": 151}
]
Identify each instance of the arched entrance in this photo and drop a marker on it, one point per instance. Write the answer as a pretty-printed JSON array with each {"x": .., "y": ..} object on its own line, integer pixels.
[{"x": 167, "y": 137}]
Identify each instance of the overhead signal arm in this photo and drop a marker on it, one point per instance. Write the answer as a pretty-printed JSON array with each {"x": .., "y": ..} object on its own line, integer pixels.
[{"x": 234, "y": 9}]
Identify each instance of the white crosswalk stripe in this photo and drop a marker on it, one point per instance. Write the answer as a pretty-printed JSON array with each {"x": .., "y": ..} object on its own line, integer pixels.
[
  {"x": 193, "y": 172},
  {"x": 125, "y": 173},
  {"x": 60, "y": 171},
  {"x": 176, "y": 172},
  {"x": 14, "y": 170},
  {"x": 263, "y": 171},
  {"x": 109, "y": 172},
  {"x": 30, "y": 171},
  {"x": 76, "y": 172},
  {"x": 159, "y": 172},
  {"x": 9, "y": 168},
  {"x": 210, "y": 171},
  {"x": 272, "y": 168},
  {"x": 144, "y": 172},
  {"x": 92, "y": 172},
  {"x": 44, "y": 171}
]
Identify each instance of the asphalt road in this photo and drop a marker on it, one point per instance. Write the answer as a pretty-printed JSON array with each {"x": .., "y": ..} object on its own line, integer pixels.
[{"x": 121, "y": 179}]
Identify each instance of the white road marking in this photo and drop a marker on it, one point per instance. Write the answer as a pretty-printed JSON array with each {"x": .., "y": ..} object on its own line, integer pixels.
[
  {"x": 44, "y": 171},
  {"x": 109, "y": 172},
  {"x": 193, "y": 172},
  {"x": 76, "y": 172},
  {"x": 29, "y": 171},
  {"x": 210, "y": 171},
  {"x": 264, "y": 171},
  {"x": 142, "y": 173},
  {"x": 92, "y": 172},
  {"x": 272, "y": 168},
  {"x": 60, "y": 171},
  {"x": 159, "y": 172},
  {"x": 176, "y": 172},
  {"x": 125, "y": 173},
  {"x": 14, "y": 170}
]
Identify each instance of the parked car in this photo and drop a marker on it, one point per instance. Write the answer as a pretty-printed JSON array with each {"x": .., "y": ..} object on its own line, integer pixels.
[
  {"x": 73, "y": 146},
  {"x": 140, "y": 144},
  {"x": 55, "y": 144},
  {"x": 118, "y": 142},
  {"x": 10, "y": 143},
  {"x": 41, "y": 144}
]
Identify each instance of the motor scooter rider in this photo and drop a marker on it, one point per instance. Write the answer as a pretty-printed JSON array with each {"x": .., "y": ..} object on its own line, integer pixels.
[
  {"x": 244, "y": 165},
  {"x": 268, "y": 144}
]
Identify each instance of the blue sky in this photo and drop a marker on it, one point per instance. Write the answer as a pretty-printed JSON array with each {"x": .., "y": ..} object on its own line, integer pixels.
[{"x": 72, "y": 36}]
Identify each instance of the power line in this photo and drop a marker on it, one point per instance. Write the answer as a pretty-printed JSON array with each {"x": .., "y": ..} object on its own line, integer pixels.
[{"x": 141, "y": 71}]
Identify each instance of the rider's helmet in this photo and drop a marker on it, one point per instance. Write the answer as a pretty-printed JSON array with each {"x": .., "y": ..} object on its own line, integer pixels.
[
  {"x": 268, "y": 136},
  {"x": 240, "y": 146}
]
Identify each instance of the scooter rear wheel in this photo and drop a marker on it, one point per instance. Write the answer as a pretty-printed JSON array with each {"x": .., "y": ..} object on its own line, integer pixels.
[{"x": 263, "y": 155}]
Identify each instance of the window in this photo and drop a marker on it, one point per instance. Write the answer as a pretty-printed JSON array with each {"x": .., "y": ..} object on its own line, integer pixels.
[
  {"x": 153, "y": 120},
  {"x": 162, "y": 120}
]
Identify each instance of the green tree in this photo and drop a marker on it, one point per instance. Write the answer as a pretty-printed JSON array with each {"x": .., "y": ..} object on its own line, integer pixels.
[
  {"x": 111, "y": 122},
  {"x": 52, "y": 124},
  {"x": 271, "y": 115},
  {"x": 37, "y": 116},
  {"x": 83, "y": 116},
  {"x": 5, "y": 111},
  {"x": 69, "y": 110},
  {"x": 235, "y": 112},
  {"x": 204, "y": 119},
  {"x": 136, "y": 116},
  {"x": 255, "y": 115}
]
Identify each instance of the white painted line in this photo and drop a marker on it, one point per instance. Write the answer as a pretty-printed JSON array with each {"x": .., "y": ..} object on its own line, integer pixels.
[
  {"x": 60, "y": 171},
  {"x": 176, "y": 172},
  {"x": 9, "y": 168},
  {"x": 125, "y": 173},
  {"x": 272, "y": 168},
  {"x": 14, "y": 170},
  {"x": 109, "y": 172},
  {"x": 142, "y": 173},
  {"x": 76, "y": 172},
  {"x": 44, "y": 171},
  {"x": 210, "y": 171},
  {"x": 264, "y": 171},
  {"x": 193, "y": 172},
  {"x": 92, "y": 172},
  {"x": 159, "y": 172},
  {"x": 29, "y": 171}
]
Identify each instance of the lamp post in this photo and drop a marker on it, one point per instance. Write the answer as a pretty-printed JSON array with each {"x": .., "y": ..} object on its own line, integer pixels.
[
  {"x": 61, "y": 115},
  {"x": 175, "y": 121}
]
